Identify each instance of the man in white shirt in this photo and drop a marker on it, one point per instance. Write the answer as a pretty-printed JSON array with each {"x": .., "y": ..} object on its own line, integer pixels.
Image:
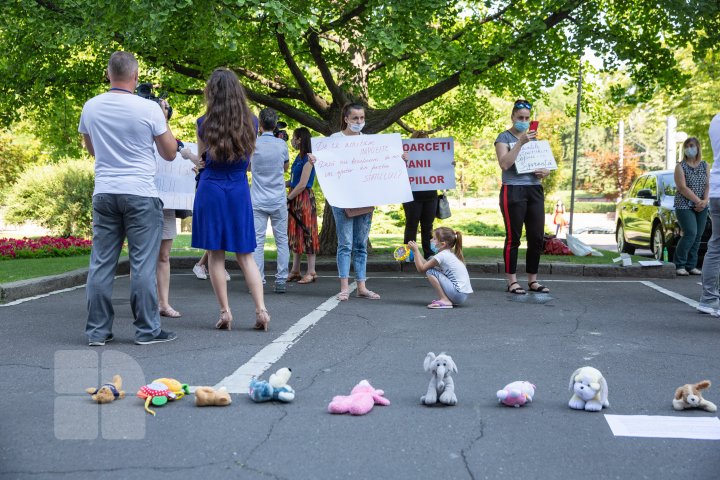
[
  {"x": 270, "y": 161},
  {"x": 121, "y": 130},
  {"x": 710, "y": 298}
]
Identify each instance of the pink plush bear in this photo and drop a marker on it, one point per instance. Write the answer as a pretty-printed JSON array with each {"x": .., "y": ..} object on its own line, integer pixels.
[{"x": 360, "y": 401}]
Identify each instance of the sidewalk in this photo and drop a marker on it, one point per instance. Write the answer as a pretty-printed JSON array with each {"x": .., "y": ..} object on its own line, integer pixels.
[{"x": 38, "y": 286}]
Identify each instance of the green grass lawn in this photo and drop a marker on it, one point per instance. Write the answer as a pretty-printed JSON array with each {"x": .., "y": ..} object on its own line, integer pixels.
[{"x": 481, "y": 249}]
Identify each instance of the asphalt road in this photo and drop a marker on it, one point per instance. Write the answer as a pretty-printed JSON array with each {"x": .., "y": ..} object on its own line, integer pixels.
[{"x": 644, "y": 340}]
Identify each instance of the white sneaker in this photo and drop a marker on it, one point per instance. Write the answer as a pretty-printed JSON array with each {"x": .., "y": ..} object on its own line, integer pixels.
[
  {"x": 227, "y": 276},
  {"x": 695, "y": 271},
  {"x": 200, "y": 272},
  {"x": 682, "y": 272}
]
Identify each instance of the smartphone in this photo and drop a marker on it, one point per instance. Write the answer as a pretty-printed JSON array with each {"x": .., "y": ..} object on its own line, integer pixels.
[{"x": 534, "y": 126}]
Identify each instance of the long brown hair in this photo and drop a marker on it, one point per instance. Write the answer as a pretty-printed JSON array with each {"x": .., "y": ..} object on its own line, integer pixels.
[
  {"x": 345, "y": 111},
  {"x": 228, "y": 130},
  {"x": 304, "y": 142},
  {"x": 451, "y": 238}
]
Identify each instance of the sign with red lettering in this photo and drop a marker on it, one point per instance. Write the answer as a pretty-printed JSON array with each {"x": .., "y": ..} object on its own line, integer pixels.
[
  {"x": 430, "y": 163},
  {"x": 358, "y": 171},
  {"x": 534, "y": 156}
]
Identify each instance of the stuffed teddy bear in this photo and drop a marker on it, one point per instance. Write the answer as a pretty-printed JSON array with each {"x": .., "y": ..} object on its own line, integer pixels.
[
  {"x": 689, "y": 396},
  {"x": 276, "y": 388},
  {"x": 516, "y": 394},
  {"x": 441, "y": 388},
  {"x": 361, "y": 400},
  {"x": 209, "y": 397},
  {"x": 107, "y": 392},
  {"x": 590, "y": 390}
]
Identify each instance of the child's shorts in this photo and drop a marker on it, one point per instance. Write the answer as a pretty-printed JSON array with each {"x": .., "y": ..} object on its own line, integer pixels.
[{"x": 457, "y": 298}]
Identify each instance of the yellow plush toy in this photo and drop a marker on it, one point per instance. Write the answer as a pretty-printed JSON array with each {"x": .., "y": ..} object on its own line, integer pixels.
[
  {"x": 209, "y": 397},
  {"x": 108, "y": 392},
  {"x": 179, "y": 389}
]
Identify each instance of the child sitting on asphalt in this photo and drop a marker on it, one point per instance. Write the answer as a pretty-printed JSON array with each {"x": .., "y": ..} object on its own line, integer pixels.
[{"x": 446, "y": 270}]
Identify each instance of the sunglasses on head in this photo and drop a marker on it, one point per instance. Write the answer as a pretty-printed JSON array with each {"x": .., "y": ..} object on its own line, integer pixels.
[{"x": 519, "y": 105}]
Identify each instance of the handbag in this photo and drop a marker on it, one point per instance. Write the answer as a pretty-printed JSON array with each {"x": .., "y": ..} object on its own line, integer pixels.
[
  {"x": 443, "y": 207},
  {"x": 183, "y": 214},
  {"x": 356, "y": 212}
]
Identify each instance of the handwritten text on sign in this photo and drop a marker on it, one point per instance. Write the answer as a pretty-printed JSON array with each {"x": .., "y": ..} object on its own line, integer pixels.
[
  {"x": 361, "y": 170},
  {"x": 430, "y": 163},
  {"x": 535, "y": 155},
  {"x": 175, "y": 181}
]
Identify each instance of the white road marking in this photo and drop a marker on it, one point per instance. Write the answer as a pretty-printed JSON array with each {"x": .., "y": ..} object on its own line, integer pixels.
[
  {"x": 670, "y": 293},
  {"x": 54, "y": 292},
  {"x": 27, "y": 299},
  {"x": 238, "y": 381}
]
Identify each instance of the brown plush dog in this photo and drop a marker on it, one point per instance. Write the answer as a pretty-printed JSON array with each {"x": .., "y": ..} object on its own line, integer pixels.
[
  {"x": 689, "y": 396},
  {"x": 108, "y": 392},
  {"x": 209, "y": 397}
]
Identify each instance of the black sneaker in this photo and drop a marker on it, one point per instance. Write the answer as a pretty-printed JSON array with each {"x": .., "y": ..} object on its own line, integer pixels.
[
  {"x": 163, "y": 336},
  {"x": 280, "y": 288},
  {"x": 101, "y": 343}
]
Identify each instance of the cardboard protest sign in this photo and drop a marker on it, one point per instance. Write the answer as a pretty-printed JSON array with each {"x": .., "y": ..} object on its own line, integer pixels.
[
  {"x": 430, "y": 163},
  {"x": 361, "y": 170},
  {"x": 535, "y": 155},
  {"x": 175, "y": 181}
]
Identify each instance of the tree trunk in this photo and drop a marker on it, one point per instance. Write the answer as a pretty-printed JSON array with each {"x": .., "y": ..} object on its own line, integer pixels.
[{"x": 328, "y": 235}]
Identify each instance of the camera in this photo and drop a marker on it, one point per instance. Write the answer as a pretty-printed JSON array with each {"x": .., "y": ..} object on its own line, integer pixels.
[
  {"x": 145, "y": 90},
  {"x": 279, "y": 132}
]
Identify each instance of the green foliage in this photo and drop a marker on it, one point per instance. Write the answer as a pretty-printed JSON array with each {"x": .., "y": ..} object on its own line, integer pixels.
[
  {"x": 17, "y": 152},
  {"x": 57, "y": 197}
]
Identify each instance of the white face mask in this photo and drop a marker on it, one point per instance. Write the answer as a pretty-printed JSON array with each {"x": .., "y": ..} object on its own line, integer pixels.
[{"x": 357, "y": 127}]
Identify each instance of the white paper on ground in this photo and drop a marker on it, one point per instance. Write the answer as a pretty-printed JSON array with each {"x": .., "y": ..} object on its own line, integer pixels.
[
  {"x": 699, "y": 428},
  {"x": 650, "y": 263}
]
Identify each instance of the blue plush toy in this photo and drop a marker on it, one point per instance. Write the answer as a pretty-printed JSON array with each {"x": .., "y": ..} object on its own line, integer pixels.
[{"x": 274, "y": 389}]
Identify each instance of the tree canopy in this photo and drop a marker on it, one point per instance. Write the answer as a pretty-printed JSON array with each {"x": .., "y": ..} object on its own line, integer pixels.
[{"x": 416, "y": 64}]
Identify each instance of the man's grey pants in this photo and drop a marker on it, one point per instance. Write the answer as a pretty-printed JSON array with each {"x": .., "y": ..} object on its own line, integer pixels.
[
  {"x": 278, "y": 220},
  {"x": 116, "y": 216},
  {"x": 711, "y": 265}
]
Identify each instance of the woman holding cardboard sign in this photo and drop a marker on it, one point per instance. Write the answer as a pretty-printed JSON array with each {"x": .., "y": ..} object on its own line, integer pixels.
[
  {"x": 522, "y": 201},
  {"x": 353, "y": 224}
]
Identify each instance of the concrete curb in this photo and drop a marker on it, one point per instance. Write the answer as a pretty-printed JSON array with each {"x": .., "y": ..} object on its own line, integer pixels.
[{"x": 28, "y": 288}]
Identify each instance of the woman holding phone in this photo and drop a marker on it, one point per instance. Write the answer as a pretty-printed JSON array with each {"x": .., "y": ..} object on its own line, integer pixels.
[{"x": 522, "y": 200}]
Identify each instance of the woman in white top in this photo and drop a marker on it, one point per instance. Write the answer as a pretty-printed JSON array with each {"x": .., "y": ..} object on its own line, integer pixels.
[
  {"x": 352, "y": 231},
  {"x": 445, "y": 271}
]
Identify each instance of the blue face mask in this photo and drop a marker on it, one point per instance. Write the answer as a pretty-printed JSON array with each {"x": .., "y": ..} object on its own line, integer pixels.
[
  {"x": 691, "y": 152},
  {"x": 433, "y": 246},
  {"x": 521, "y": 126}
]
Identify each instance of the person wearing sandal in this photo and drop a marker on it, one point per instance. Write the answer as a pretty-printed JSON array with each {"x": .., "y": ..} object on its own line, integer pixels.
[
  {"x": 691, "y": 206},
  {"x": 169, "y": 233},
  {"x": 446, "y": 270},
  {"x": 352, "y": 232},
  {"x": 223, "y": 215},
  {"x": 522, "y": 201},
  {"x": 302, "y": 212}
]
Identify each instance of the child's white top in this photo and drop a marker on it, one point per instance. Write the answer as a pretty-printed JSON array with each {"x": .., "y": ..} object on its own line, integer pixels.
[{"x": 454, "y": 270}]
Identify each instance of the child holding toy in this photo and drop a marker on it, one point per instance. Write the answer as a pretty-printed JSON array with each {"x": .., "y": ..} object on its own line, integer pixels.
[{"x": 446, "y": 270}]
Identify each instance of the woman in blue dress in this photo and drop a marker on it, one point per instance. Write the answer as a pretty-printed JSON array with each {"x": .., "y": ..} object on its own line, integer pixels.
[{"x": 223, "y": 219}]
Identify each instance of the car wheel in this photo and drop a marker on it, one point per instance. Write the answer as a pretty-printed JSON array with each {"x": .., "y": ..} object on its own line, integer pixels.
[
  {"x": 622, "y": 244},
  {"x": 658, "y": 242}
]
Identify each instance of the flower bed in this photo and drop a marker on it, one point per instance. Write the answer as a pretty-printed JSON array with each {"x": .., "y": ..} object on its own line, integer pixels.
[{"x": 43, "y": 247}]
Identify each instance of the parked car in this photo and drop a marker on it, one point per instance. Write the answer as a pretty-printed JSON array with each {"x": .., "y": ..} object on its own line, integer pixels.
[{"x": 646, "y": 217}]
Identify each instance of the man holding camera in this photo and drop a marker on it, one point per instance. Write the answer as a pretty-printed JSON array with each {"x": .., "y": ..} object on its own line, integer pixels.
[
  {"x": 119, "y": 130},
  {"x": 269, "y": 163}
]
